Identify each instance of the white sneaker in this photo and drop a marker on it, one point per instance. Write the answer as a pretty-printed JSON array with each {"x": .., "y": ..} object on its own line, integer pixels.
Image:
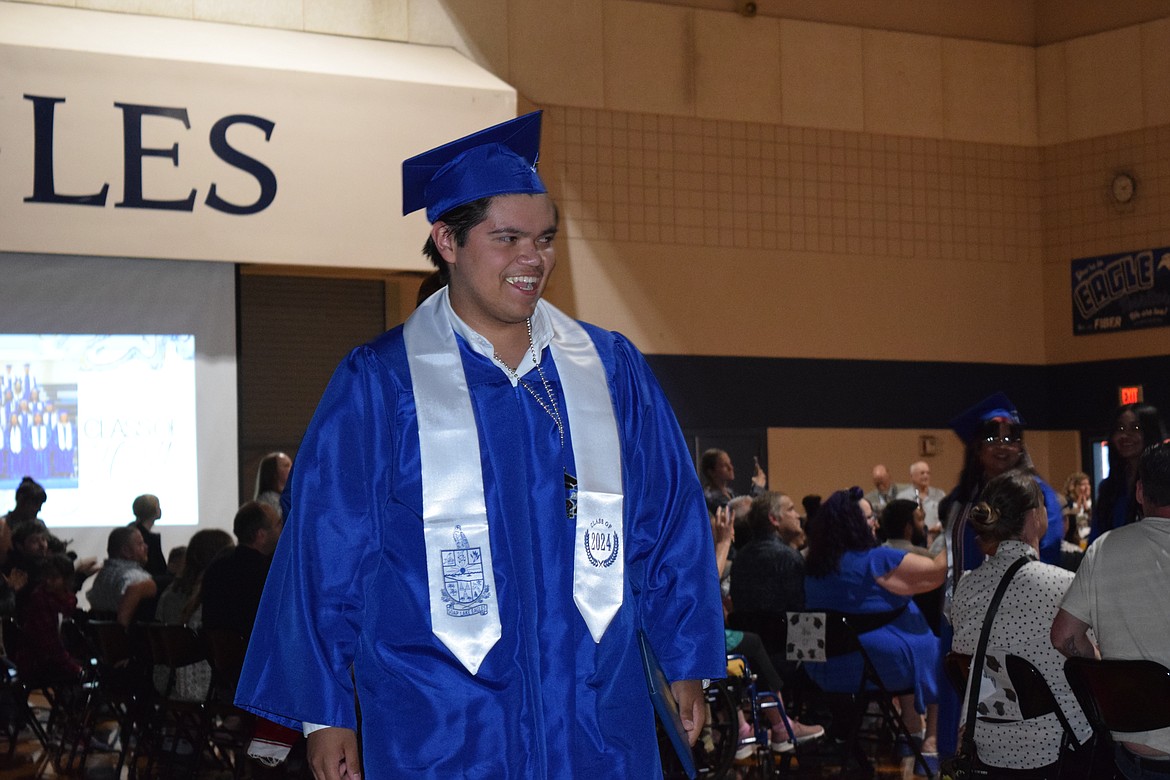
[{"x": 781, "y": 747}]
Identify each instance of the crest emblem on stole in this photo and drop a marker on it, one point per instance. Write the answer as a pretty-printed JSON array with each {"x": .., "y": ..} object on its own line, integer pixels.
[{"x": 464, "y": 589}]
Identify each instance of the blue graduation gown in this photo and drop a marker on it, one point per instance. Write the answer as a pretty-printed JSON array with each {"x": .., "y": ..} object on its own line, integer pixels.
[{"x": 349, "y": 585}]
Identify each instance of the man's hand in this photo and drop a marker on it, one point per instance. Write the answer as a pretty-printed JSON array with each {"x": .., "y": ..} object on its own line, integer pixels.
[
  {"x": 333, "y": 754},
  {"x": 692, "y": 707},
  {"x": 16, "y": 579},
  {"x": 86, "y": 567}
]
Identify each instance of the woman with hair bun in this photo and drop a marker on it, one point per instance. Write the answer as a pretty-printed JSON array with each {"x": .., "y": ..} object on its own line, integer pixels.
[{"x": 1009, "y": 520}]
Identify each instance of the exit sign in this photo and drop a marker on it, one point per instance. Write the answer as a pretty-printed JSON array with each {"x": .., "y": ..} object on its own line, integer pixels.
[{"x": 1131, "y": 394}]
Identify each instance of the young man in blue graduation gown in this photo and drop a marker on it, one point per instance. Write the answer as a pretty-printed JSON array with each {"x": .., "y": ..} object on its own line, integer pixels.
[{"x": 488, "y": 506}]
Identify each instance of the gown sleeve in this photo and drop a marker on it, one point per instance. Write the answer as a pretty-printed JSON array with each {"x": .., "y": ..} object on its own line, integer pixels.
[
  {"x": 298, "y": 664},
  {"x": 1050, "y": 544},
  {"x": 672, "y": 561}
]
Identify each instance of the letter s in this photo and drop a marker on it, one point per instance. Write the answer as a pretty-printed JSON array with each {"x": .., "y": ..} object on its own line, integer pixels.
[{"x": 262, "y": 173}]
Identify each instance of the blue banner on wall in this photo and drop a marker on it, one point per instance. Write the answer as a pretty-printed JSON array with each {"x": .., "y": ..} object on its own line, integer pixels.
[{"x": 1125, "y": 291}]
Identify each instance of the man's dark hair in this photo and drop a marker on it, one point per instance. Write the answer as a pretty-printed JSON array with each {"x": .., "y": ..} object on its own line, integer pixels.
[
  {"x": 59, "y": 565},
  {"x": 1154, "y": 474},
  {"x": 30, "y": 490},
  {"x": 460, "y": 220},
  {"x": 23, "y": 531},
  {"x": 118, "y": 539},
  {"x": 250, "y": 520},
  {"x": 898, "y": 514}
]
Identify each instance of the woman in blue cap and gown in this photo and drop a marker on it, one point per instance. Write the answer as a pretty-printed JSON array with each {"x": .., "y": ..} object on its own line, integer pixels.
[{"x": 993, "y": 436}]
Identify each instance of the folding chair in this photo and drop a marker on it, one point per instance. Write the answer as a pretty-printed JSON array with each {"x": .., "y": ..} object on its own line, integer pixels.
[
  {"x": 231, "y": 728},
  {"x": 1120, "y": 696},
  {"x": 124, "y": 688},
  {"x": 17, "y": 691},
  {"x": 1035, "y": 700},
  {"x": 842, "y": 637},
  {"x": 184, "y": 723}
]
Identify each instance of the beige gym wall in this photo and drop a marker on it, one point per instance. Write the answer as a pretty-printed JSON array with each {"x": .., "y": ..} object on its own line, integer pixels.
[{"x": 892, "y": 187}]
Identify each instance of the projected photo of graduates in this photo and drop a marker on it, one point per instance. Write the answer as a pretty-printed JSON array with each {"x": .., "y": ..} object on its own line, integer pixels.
[{"x": 38, "y": 429}]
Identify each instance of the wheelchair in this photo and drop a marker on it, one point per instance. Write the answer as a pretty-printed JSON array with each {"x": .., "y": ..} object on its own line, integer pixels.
[{"x": 715, "y": 751}]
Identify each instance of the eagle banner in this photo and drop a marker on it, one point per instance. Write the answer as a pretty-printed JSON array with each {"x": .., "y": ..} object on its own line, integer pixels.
[{"x": 1124, "y": 291}]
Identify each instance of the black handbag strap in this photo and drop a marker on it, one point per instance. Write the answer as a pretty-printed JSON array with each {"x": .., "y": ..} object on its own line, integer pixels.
[{"x": 981, "y": 652}]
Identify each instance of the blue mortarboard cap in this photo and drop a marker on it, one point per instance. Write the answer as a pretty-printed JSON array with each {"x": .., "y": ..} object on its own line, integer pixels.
[
  {"x": 966, "y": 425},
  {"x": 500, "y": 160}
]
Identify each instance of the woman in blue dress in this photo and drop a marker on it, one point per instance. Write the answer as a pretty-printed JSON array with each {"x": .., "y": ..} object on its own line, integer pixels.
[{"x": 848, "y": 572}]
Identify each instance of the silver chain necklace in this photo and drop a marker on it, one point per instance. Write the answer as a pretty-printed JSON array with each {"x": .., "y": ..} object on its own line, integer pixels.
[{"x": 550, "y": 408}]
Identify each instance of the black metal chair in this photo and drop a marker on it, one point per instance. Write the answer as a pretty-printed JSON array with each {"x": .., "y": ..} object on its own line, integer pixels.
[
  {"x": 16, "y": 690},
  {"x": 184, "y": 723},
  {"x": 231, "y": 727},
  {"x": 1120, "y": 696},
  {"x": 842, "y": 633},
  {"x": 1035, "y": 700},
  {"x": 124, "y": 689}
]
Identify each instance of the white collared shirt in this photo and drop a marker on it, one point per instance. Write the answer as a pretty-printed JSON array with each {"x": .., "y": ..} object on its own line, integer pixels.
[{"x": 542, "y": 334}]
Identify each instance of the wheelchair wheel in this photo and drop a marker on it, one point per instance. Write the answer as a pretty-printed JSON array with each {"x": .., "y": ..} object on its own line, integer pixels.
[{"x": 714, "y": 752}]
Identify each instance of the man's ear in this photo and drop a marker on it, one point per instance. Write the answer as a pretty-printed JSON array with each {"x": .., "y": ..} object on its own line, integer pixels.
[{"x": 444, "y": 238}]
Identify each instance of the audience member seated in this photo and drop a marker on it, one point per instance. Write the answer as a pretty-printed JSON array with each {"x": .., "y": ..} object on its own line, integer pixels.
[
  {"x": 716, "y": 474},
  {"x": 147, "y": 510},
  {"x": 740, "y": 507},
  {"x": 812, "y": 505},
  {"x": 30, "y": 545},
  {"x": 233, "y": 584},
  {"x": 123, "y": 589},
  {"x": 1135, "y": 427},
  {"x": 1071, "y": 552},
  {"x": 30, "y": 497},
  {"x": 903, "y": 527},
  {"x": 271, "y": 477},
  {"x": 40, "y": 655},
  {"x": 182, "y": 604},
  {"x": 11, "y": 581},
  {"x": 926, "y": 495},
  {"x": 1078, "y": 507},
  {"x": 884, "y": 490},
  {"x": 175, "y": 560},
  {"x": 1010, "y": 520},
  {"x": 848, "y": 572},
  {"x": 768, "y": 575},
  {"x": 1120, "y": 592},
  {"x": 751, "y": 647}
]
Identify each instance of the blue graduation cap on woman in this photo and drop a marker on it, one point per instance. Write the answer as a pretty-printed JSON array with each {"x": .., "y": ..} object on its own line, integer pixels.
[
  {"x": 966, "y": 425},
  {"x": 500, "y": 160}
]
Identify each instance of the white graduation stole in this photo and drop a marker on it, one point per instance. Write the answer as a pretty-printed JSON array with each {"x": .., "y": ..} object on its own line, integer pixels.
[{"x": 464, "y": 611}]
